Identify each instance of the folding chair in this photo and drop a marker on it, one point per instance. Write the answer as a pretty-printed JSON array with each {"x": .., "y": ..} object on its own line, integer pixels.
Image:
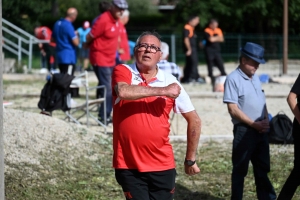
[{"x": 86, "y": 107}]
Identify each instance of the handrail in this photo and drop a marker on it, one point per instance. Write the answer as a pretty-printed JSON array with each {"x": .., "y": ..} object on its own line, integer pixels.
[
  {"x": 22, "y": 37},
  {"x": 16, "y": 28}
]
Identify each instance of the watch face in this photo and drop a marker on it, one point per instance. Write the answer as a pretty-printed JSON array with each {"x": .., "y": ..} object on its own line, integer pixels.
[{"x": 189, "y": 162}]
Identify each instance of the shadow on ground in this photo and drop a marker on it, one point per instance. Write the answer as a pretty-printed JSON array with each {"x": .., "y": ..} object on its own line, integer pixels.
[{"x": 183, "y": 193}]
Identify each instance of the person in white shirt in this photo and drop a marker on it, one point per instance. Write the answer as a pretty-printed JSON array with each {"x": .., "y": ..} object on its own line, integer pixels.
[{"x": 167, "y": 66}]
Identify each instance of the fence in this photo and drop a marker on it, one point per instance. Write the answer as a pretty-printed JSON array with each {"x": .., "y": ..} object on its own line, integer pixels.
[{"x": 273, "y": 45}]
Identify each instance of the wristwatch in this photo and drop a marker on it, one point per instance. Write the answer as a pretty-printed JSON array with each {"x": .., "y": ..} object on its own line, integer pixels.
[{"x": 189, "y": 162}]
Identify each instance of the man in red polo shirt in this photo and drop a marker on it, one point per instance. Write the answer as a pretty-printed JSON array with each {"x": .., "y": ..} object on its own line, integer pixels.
[
  {"x": 123, "y": 51},
  {"x": 143, "y": 96},
  {"x": 103, "y": 40},
  {"x": 47, "y": 49}
]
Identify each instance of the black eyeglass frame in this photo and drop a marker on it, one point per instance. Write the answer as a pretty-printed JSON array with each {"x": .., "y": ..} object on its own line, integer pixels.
[{"x": 152, "y": 47}]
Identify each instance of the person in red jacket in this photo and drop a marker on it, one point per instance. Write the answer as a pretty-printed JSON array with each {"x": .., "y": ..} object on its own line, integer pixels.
[
  {"x": 103, "y": 41},
  {"x": 143, "y": 97},
  {"x": 47, "y": 49},
  {"x": 123, "y": 54}
]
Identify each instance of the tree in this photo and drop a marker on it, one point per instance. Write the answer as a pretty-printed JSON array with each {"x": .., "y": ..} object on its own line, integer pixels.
[{"x": 25, "y": 13}]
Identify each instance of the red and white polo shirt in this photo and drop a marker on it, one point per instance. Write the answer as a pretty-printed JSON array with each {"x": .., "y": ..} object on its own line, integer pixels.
[
  {"x": 141, "y": 127},
  {"x": 103, "y": 48}
]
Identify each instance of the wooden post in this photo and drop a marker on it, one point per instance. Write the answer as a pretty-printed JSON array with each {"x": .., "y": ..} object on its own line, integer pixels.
[
  {"x": 2, "y": 194},
  {"x": 285, "y": 37}
]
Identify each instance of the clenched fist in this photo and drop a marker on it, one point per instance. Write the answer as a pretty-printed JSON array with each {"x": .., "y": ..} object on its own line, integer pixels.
[
  {"x": 191, "y": 170},
  {"x": 173, "y": 90}
]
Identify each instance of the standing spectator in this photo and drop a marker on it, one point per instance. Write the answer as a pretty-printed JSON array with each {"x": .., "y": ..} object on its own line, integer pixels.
[
  {"x": 104, "y": 40},
  {"x": 83, "y": 52},
  {"x": 213, "y": 37},
  {"x": 246, "y": 105},
  {"x": 190, "y": 71},
  {"x": 165, "y": 65},
  {"x": 47, "y": 49},
  {"x": 293, "y": 181},
  {"x": 143, "y": 98},
  {"x": 66, "y": 41},
  {"x": 123, "y": 51}
]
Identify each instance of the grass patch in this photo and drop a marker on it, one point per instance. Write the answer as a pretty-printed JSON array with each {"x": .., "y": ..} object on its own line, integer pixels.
[{"x": 91, "y": 179}]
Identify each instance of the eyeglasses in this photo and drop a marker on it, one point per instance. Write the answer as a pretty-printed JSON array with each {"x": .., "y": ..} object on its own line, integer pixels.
[{"x": 144, "y": 47}]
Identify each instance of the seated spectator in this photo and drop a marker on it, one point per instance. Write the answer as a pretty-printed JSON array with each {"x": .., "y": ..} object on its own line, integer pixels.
[{"x": 167, "y": 66}]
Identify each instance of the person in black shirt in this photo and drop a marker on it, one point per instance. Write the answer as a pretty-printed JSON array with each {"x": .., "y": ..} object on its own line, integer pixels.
[
  {"x": 293, "y": 180},
  {"x": 213, "y": 37},
  {"x": 190, "y": 71}
]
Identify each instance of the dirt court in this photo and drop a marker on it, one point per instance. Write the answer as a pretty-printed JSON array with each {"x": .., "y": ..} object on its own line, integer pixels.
[{"x": 209, "y": 105}]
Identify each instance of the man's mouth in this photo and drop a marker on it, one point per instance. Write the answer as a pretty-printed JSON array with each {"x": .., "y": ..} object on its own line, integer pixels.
[{"x": 147, "y": 57}]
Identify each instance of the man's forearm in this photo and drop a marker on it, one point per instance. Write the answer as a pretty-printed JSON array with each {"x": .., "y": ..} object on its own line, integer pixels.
[
  {"x": 216, "y": 38},
  {"x": 193, "y": 135},
  {"x": 187, "y": 44},
  {"x": 236, "y": 113},
  {"x": 292, "y": 102},
  {"x": 132, "y": 92}
]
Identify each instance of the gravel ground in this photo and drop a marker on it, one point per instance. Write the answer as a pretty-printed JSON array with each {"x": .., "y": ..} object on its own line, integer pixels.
[{"x": 30, "y": 136}]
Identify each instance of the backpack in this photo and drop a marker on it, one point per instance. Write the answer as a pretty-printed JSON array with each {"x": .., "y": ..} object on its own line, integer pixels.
[
  {"x": 54, "y": 94},
  {"x": 281, "y": 129}
]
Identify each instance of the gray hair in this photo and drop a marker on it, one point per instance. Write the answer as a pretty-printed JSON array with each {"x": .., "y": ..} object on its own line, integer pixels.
[
  {"x": 153, "y": 33},
  {"x": 165, "y": 50}
]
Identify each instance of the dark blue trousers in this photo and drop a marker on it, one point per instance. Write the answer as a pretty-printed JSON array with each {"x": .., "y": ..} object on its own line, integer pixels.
[
  {"x": 293, "y": 181},
  {"x": 104, "y": 78},
  {"x": 249, "y": 145}
]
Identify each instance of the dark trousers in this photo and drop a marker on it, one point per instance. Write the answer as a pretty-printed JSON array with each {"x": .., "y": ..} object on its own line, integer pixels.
[
  {"x": 63, "y": 68},
  {"x": 104, "y": 78},
  {"x": 50, "y": 51},
  {"x": 293, "y": 181},
  {"x": 249, "y": 145},
  {"x": 190, "y": 71},
  {"x": 213, "y": 58},
  {"x": 147, "y": 185}
]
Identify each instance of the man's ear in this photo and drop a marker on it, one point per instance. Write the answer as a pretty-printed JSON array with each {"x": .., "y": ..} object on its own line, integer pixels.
[
  {"x": 243, "y": 60},
  {"x": 160, "y": 55}
]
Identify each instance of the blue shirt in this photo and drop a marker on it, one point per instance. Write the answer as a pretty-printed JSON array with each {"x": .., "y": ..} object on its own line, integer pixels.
[
  {"x": 64, "y": 33},
  {"x": 82, "y": 35},
  {"x": 246, "y": 93}
]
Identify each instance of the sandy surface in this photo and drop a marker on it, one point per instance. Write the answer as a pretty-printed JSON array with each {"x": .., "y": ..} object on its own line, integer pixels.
[{"x": 29, "y": 135}]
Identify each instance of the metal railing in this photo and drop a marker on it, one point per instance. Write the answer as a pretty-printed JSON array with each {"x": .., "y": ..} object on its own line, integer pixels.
[{"x": 18, "y": 41}]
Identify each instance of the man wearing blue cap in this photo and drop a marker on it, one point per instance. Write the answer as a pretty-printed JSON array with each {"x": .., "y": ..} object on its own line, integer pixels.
[{"x": 246, "y": 105}]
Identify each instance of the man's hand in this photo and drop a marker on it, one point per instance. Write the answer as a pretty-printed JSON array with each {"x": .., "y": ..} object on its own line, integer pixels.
[
  {"x": 188, "y": 52},
  {"x": 43, "y": 52},
  {"x": 191, "y": 170},
  {"x": 173, "y": 90},
  {"x": 261, "y": 126}
]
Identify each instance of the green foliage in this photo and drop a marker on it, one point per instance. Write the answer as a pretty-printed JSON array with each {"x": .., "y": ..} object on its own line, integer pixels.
[
  {"x": 141, "y": 7},
  {"x": 256, "y": 16},
  {"x": 25, "y": 13}
]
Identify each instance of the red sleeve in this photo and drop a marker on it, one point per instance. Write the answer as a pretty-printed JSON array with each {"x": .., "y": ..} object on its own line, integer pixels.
[
  {"x": 120, "y": 74},
  {"x": 99, "y": 27}
]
